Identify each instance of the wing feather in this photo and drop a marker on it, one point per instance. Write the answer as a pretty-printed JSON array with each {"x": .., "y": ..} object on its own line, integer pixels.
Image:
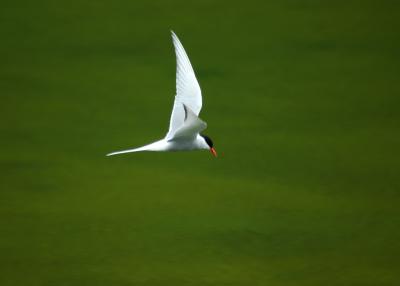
[
  {"x": 188, "y": 91},
  {"x": 192, "y": 126}
]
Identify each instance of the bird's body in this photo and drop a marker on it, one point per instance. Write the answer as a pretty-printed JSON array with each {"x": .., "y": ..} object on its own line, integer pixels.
[{"x": 185, "y": 125}]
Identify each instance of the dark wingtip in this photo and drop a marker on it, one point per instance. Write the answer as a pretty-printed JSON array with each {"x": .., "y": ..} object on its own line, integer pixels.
[{"x": 186, "y": 111}]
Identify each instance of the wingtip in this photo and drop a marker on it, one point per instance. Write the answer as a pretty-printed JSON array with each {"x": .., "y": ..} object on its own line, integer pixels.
[
  {"x": 174, "y": 36},
  {"x": 186, "y": 111}
]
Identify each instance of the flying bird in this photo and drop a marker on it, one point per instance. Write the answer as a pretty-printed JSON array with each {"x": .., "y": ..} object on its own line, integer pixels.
[{"x": 185, "y": 125}]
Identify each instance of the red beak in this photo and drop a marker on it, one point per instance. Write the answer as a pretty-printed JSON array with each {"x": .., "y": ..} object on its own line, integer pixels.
[{"x": 212, "y": 150}]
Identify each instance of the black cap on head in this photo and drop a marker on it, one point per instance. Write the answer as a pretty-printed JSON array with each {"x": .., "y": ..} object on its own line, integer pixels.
[{"x": 208, "y": 140}]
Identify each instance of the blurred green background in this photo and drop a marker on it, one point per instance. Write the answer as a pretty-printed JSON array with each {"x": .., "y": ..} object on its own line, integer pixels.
[{"x": 301, "y": 100}]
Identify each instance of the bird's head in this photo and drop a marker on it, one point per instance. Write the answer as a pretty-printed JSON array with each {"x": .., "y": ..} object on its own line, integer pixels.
[{"x": 209, "y": 144}]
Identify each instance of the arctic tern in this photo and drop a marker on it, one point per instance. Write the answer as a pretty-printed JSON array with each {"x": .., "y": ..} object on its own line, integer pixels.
[{"x": 185, "y": 125}]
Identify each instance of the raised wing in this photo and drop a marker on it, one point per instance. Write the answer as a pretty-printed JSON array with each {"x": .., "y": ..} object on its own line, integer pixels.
[
  {"x": 188, "y": 91},
  {"x": 192, "y": 126}
]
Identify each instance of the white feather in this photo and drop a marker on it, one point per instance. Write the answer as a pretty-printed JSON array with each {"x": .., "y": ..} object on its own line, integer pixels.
[{"x": 187, "y": 89}]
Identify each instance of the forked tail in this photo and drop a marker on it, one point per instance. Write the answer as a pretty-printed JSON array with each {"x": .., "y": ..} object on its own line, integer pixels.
[
  {"x": 156, "y": 146},
  {"x": 127, "y": 151}
]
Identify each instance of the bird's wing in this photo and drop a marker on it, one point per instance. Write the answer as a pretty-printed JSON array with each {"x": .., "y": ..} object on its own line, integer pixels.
[
  {"x": 192, "y": 126},
  {"x": 187, "y": 89}
]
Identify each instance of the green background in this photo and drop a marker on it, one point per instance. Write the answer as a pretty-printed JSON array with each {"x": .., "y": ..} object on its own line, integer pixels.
[{"x": 302, "y": 103}]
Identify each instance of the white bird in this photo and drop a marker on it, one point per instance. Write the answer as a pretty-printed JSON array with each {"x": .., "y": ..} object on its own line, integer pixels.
[{"x": 185, "y": 125}]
